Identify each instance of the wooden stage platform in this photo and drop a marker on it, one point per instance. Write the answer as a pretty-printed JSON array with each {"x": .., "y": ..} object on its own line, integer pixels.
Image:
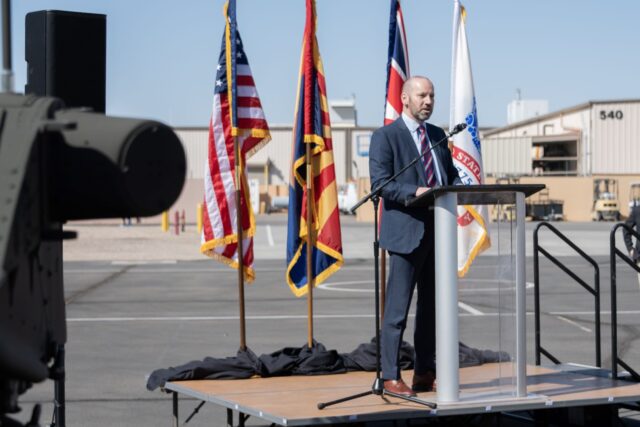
[{"x": 292, "y": 401}]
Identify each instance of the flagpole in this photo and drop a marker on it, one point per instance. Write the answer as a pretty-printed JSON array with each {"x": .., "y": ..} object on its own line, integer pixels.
[
  {"x": 308, "y": 126},
  {"x": 230, "y": 51},
  {"x": 243, "y": 334},
  {"x": 383, "y": 281},
  {"x": 454, "y": 44},
  {"x": 310, "y": 278}
]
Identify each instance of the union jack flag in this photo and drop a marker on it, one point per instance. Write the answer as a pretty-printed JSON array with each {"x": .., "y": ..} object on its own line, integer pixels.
[
  {"x": 397, "y": 64},
  {"x": 312, "y": 126},
  {"x": 397, "y": 70},
  {"x": 237, "y": 112}
]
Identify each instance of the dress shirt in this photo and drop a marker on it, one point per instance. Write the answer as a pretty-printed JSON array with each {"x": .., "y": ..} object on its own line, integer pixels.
[{"x": 413, "y": 126}]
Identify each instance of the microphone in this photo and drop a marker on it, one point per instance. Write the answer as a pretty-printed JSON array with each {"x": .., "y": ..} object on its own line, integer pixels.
[{"x": 457, "y": 129}]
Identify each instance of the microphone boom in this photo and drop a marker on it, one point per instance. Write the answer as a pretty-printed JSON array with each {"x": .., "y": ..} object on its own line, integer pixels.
[{"x": 457, "y": 129}]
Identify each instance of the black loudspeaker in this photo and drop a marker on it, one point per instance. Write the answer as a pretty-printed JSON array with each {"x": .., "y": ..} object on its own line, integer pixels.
[{"x": 66, "y": 57}]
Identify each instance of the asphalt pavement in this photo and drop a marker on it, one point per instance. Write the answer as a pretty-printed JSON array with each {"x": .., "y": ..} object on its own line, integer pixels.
[{"x": 139, "y": 299}]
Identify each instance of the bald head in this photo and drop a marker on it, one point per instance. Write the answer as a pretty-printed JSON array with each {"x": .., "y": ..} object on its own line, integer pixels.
[
  {"x": 412, "y": 82},
  {"x": 418, "y": 98}
]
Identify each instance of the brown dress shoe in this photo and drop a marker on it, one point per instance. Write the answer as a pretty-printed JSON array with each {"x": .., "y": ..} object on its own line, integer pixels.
[
  {"x": 398, "y": 387},
  {"x": 424, "y": 382}
]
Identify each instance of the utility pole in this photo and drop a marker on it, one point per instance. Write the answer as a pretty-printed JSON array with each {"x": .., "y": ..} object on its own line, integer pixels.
[{"x": 7, "y": 72}]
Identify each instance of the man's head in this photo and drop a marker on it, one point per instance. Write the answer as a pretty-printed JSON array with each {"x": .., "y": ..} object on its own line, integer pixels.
[{"x": 418, "y": 98}]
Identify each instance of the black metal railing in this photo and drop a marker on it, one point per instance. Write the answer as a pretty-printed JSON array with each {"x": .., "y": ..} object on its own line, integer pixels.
[
  {"x": 613, "y": 252},
  {"x": 595, "y": 290}
]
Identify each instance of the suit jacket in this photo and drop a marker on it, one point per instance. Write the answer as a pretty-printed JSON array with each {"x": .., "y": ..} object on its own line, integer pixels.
[
  {"x": 632, "y": 221},
  {"x": 391, "y": 149}
]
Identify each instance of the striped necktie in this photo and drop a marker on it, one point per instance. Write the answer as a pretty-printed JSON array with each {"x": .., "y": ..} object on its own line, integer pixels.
[{"x": 427, "y": 159}]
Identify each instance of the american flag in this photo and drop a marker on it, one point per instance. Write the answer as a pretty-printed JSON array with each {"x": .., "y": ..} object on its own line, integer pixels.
[
  {"x": 236, "y": 110},
  {"x": 397, "y": 64},
  {"x": 312, "y": 126}
]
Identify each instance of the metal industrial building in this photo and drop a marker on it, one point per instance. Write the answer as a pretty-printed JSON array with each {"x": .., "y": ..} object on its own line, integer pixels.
[
  {"x": 566, "y": 150},
  {"x": 269, "y": 168}
]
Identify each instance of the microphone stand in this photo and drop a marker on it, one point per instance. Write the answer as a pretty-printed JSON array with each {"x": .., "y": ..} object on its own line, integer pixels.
[{"x": 378, "y": 387}]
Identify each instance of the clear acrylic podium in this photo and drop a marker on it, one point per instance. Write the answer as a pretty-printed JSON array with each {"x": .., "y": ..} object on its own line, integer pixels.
[{"x": 444, "y": 201}]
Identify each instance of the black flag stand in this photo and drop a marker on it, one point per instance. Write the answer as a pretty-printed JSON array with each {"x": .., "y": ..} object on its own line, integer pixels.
[{"x": 378, "y": 388}]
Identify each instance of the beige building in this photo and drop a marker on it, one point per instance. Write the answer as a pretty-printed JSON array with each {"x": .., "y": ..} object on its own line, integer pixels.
[
  {"x": 568, "y": 149},
  {"x": 565, "y": 149},
  {"x": 269, "y": 168}
]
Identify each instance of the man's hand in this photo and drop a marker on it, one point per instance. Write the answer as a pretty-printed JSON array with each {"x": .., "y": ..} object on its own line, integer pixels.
[
  {"x": 422, "y": 190},
  {"x": 632, "y": 254}
]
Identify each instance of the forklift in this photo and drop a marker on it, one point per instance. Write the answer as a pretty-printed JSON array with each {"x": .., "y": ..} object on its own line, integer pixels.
[
  {"x": 605, "y": 200},
  {"x": 507, "y": 212}
]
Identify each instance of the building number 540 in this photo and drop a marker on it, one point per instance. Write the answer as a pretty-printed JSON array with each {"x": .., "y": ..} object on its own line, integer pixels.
[{"x": 604, "y": 115}]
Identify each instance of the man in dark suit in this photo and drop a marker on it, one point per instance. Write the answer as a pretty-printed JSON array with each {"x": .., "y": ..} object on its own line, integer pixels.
[{"x": 407, "y": 233}]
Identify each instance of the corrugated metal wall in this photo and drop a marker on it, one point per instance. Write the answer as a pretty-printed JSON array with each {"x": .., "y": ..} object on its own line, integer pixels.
[
  {"x": 195, "y": 143},
  {"x": 277, "y": 153},
  {"x": 502, "y": 156},
  {"x": 615, "y": 138},
  {"x": 339, "y": 154},
  {"x": 609, "y": 132},
  {"x": 610, "y": 144},
  {"x": 360, "y": 152}
]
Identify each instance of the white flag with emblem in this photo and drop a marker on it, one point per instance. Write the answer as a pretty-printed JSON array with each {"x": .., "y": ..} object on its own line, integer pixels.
[{"x": 467, "y": 155}]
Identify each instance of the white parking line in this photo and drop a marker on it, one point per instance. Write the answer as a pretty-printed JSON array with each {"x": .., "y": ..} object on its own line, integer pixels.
[
  {"x": 339, "y": 287},
  {"x": 189, "y": 270},
  {"x": 269, "y": 235},
  {"x": 571, "y": 322},
  {"x": 331, "y": 286},
  {"x": 298, "y": 317},
  {"x": 208, "y": 318},
  {"x": 469, "y": 309},
  {"x": 163, "y": 262},
  {"x": 602, "y": 313},
  {"x": 528, "y": 285}
]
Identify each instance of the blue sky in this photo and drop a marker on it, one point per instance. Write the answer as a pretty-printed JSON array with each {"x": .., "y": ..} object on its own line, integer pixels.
[{"x": 161, "y": 54}]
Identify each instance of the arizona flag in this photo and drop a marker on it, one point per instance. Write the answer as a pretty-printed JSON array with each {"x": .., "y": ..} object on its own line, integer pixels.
[
  {"x": 467, "y": 154},
  {"x": 397, "y": 64},
  {"x": 312, "y": 126},
  {"x": 237, "y": 112}
]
